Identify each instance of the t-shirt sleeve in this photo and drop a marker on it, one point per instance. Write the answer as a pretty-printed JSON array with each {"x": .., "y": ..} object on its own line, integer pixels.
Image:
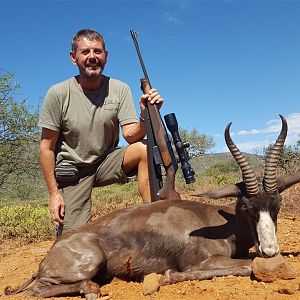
[
  {"x": 126, "y": 112},
  {"x": 51, "y": 113}
]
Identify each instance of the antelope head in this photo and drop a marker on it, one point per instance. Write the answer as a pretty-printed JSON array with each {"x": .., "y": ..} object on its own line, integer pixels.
[{"x": 259, "y": 200}]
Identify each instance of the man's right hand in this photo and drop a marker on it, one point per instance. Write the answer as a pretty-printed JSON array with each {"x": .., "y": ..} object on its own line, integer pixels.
[
  {"x": 47, "y": 158},
  {"x": 57, "y": 208}
]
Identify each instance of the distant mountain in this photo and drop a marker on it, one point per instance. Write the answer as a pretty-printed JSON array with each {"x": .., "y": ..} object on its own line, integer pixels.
[{"x": 205, "y": 161}]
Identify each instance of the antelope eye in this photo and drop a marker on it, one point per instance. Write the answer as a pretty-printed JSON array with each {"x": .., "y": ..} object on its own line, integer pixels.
[{"x": 243, "y": 207}]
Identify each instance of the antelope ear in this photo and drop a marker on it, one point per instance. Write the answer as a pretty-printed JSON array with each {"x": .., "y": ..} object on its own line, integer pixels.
[
  {"x": 235, "y": 190},
  {"x": 286, "y": 181}
]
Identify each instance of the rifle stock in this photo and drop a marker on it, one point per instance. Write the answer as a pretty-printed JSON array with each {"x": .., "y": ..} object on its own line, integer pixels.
[
  {"x": 158, "y": 126},
  {"x": 160, "y": 139}
]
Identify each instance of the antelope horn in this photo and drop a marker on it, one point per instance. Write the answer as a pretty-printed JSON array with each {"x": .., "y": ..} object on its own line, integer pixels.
[
  {"x": 272, "y": 158},
  {"x": 248, "y": 174}
]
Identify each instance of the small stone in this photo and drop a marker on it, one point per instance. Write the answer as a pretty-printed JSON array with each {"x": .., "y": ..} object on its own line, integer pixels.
[
  {"x": 39, "y": 250},
  {"x": 289, "y": 288},
  {"x": 271, "y": 269},
  {"x": 151, "y": 283}
]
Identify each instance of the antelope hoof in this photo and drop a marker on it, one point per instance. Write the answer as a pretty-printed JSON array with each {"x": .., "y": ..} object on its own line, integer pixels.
[
  {"x": 92, "y": 296},
  {"x": 166, "y": 278},
  {"x": 90, "y": 290}
]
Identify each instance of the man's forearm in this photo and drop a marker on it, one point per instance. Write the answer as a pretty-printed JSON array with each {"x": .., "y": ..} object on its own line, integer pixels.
[
  {"x": 56, "y": 204},
  {"x": 47, "y": 160},
  {"x": 134, "y": 132}
]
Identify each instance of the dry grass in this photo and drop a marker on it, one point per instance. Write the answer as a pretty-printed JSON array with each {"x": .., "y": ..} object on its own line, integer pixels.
[{"x": 30, "y": 222}]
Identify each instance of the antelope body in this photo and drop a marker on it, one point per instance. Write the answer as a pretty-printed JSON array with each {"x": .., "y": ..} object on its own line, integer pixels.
[{"x": 183, "y": 240}]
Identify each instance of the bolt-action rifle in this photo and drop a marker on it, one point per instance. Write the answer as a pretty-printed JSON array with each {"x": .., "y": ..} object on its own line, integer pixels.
[{"x": 159, "y": 149}]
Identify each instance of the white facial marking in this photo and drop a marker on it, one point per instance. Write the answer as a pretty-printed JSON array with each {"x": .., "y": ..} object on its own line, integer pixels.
[{"x": 266, "y": 234}]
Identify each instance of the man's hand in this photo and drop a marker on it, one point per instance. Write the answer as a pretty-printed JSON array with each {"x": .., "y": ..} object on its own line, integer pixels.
[
  {"x": 153, "y": 97},
  {"x": 57, "y": 207},
  {"x": 134, "y": 132}
]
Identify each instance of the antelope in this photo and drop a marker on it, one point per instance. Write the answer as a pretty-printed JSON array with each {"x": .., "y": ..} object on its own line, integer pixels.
[{"x": 181, "y": 239}]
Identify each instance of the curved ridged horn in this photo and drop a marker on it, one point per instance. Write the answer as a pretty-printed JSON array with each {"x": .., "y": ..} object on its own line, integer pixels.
[
  {"x": 272, "y": 158},
  {"x": 248, "y": 174}
]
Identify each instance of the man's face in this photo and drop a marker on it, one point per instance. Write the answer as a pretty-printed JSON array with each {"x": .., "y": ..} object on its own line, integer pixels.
[{"x": 90, "y": 57}]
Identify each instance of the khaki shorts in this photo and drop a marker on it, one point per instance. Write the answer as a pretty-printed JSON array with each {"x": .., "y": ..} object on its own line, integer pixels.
[{"x": 77, "y": 196}]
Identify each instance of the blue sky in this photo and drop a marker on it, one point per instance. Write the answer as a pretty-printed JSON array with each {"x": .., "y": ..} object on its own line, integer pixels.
[{"x": 214, "y": 62}]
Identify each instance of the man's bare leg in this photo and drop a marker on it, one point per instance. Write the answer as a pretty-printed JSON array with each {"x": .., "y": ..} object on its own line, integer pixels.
[{"x": 136, "y": 157}]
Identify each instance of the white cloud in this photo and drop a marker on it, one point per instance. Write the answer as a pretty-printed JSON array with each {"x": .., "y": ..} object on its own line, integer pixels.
[
  {"x": 274, "y": 126},
  {"x": 294, "y": 123},
  {"x": 255, "y": 147},
  {"x": 248, "y": 132},
  {"x": 269, "y": 134},
  {"x": 293, "y": 120}
]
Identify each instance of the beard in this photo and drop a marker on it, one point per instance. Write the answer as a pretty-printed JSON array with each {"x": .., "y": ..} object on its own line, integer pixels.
[{"x": 91, "y": 70}]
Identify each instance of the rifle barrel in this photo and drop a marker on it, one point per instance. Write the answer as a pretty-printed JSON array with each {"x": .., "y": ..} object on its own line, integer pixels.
[{"x": 134, "y": 35}]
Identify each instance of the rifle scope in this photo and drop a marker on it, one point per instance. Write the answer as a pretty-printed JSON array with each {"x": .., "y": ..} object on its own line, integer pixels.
[{"x": 181, "y": 148}]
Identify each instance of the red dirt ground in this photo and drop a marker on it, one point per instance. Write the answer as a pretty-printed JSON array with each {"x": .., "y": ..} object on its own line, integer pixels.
[{"x": 18, "y": 263}]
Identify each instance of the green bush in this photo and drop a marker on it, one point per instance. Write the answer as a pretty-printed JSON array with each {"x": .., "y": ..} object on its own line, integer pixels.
[
  {"x": 26, "y": 222},
  {"x": 224, "y": 173},
  {"x": 109, "y": 198},
  {"x": 289, "y": 161}
]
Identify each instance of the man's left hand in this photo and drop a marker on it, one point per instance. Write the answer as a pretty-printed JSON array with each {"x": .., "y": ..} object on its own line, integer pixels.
[{"x": 153, "y": 97}]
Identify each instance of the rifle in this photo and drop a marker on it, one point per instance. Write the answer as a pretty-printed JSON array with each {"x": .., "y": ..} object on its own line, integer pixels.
[{"x": 159, "y": 148}]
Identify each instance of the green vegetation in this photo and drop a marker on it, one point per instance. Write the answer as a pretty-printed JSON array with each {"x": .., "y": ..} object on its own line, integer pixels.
[
  {"x": 289, "y": 162},
  {"x": 25, "y": 222},
  {"x": 224, "y": 173},
  {"x": 290, "y": 159},
  {"x": 199, "y": 143},
  {"x": 19, "y": 166},
  {"x": 109, "y": 198},
  {"x": 30, "y": 221}
]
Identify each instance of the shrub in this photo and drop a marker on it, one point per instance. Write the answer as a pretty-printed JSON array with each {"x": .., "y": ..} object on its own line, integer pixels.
[
  {"x": 289, "y": 161},
  {"x": 26, "y": 222},
  {"x": 109, "y": 198},
  {"x": 224, "y": 173}
]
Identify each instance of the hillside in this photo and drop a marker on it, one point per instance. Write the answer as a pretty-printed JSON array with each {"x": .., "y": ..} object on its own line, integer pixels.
[{"x": 202, "y": 163}]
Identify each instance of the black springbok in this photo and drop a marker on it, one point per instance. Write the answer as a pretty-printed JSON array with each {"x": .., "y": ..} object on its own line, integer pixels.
[{"x": 183, "y": 240}]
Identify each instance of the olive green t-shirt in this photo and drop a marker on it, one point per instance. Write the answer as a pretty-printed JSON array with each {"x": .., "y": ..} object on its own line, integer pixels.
[{"x": 88, "y": 121}]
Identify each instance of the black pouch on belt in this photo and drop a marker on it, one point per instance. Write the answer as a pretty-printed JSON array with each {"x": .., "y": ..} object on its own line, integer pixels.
[{"x": 65, "y": 172}]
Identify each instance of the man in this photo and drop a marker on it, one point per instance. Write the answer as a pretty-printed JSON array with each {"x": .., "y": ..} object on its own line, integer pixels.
[{"x": 80, "y": 123}]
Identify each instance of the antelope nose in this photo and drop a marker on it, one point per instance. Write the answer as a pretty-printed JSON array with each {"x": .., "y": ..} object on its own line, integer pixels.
[{"x": 269, "y": 251}]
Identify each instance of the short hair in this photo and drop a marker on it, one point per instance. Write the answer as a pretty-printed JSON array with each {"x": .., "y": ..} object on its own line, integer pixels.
[{"x": 90, "y": 34}]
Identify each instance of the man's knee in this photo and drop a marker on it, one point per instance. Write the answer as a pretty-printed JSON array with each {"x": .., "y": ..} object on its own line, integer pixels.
[
  {"x": 135, "y": 154},
  {"x": 142, "y": 148},
  {"x": 137, "y": 150}
]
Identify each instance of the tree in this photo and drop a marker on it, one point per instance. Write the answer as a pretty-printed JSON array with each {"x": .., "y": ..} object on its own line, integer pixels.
[
  {"x": 199, "y": 142},
  {"x": 289, "y": 160},
  {"x": 18, "y": 132}
]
